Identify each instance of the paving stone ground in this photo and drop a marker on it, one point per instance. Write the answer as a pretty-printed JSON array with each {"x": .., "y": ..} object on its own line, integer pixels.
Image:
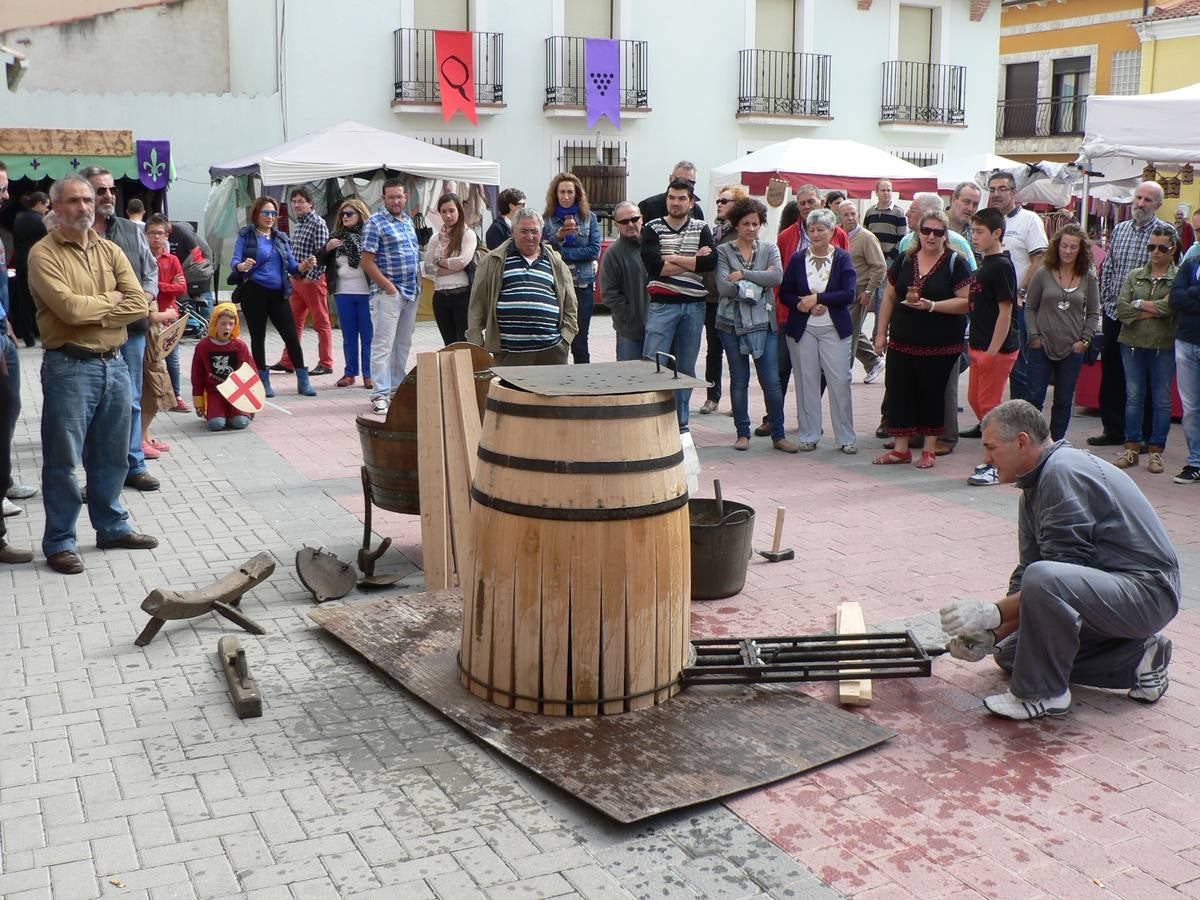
[{"x": 124, "y": 771}]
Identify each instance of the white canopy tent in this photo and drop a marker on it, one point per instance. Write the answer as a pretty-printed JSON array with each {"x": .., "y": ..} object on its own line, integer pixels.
[
  {"x": 951, "y": 173},
  {"x": 1123, "y": 133},
  {"x": 846, "y": 165},
  {"x": 1044, "y": 182},
  {"x": 350, "y": 148}
]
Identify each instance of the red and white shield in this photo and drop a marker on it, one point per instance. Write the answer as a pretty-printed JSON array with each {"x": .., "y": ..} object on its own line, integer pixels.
[
  {"x": 170, "y": 336},
  {"x": 244, "y": 390}
]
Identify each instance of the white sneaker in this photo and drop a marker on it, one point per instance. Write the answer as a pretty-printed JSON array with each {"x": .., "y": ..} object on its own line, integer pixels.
[
  {"x": 380, "y": 405},
  {"x": 21, "y": 491},
  {"x": 1151, "y": 673},
  {"x": 984, "y": 475},
  {"x": 874, "y": 374},
  {"x": 1008, "y": 706},
  {"x": 10, "y": 508}
]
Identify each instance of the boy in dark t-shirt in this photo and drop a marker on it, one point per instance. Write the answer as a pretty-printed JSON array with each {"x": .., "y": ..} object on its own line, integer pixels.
[{"x": 993, "y": 343}]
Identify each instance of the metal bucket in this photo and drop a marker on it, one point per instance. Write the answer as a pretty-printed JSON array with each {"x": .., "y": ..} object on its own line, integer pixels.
[{"x": 721, "y": 547}]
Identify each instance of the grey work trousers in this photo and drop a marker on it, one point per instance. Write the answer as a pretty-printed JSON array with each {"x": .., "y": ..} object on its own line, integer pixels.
[
  {"x": 1082, "y": 626},
  {"x": 862, "y": 349}
]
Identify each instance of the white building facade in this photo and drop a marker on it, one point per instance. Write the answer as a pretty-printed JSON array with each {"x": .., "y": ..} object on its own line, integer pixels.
[{"x": 705, "y": 80}]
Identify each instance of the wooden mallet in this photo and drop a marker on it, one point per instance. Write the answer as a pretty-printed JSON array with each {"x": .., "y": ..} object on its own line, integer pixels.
[{"x": 775, "y": 554}]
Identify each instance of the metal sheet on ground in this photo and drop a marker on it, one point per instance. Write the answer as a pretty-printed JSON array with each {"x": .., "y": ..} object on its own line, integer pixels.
[
  {"x": 632, "y": 377},
  {"x": 704, "y": 744}
]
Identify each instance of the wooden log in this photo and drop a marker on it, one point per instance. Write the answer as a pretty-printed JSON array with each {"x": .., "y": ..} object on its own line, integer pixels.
[
  {"x": 431, "y": 468},
  {"x": 853, "y": 691}
]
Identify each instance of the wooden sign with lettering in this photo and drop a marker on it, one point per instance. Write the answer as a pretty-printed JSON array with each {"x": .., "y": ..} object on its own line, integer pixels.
[{"x": 65, "y": 141}]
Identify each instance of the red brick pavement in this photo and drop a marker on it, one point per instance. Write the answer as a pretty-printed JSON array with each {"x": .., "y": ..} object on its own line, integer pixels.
[{"x": 1105, "y": 802}]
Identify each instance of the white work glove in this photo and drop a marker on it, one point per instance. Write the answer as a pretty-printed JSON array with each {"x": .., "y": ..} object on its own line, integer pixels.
[
  {"x": 969, "y": 616},
  {"x": 972, "y": 647}
]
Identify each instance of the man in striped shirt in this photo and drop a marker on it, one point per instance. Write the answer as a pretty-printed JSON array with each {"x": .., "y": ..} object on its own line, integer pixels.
[
  {"x": 677, "y": 251},
  {"x": 523, "y": 305},
  {"x": 886, "y": 220}
]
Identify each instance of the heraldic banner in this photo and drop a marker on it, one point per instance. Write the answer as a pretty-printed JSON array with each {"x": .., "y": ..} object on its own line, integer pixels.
[
  {"x": 602, "y": 65},
  {"x": 456, "y": 73}
]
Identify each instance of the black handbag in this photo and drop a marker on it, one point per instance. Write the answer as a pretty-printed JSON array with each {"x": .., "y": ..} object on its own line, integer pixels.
[
  {"x": 424, "y": 232},
  {"x": 1092, "y": 353}
]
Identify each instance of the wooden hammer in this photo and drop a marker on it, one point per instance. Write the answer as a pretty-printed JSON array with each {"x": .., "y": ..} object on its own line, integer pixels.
[{"x": 775, "y": 554}]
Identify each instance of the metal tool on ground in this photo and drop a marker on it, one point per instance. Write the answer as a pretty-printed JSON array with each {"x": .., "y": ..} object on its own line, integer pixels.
[
  {"x": 242, "y": 688},
  {"x": 325, "y": 576},
  {"x": 221, "y": 597},
  {"x": 775, "y": 554},
  {"x": 766, "y": 660}
]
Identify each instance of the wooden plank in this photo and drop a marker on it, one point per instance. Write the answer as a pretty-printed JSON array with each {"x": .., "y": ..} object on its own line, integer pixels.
[
  {"x": 527, "y": 611},
  {"x": 612, "y": 614},
  {"x": 431, "y": 470},
  {"x": 641, "y": 590},
  {"x": 499, "y": 627},
  {"x": 65, "y": 142},
  {"x": 586, "y": 574},
  {"x": 458, "y": 415},
  {"x": 857, "y": 691},
  {"x": 557, "y": 549}
]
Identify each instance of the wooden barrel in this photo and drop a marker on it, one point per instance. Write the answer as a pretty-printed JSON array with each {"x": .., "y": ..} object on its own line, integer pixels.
[
  {"x": 579, "y": 602},
  {"x": 390, "y": 447}
]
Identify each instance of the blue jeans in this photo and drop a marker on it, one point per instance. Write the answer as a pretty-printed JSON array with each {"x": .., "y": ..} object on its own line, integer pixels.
[
  {"x": 676, "y": 328},
  {"x": 629, "y": 348},
  {"x": 11, "y": 386},
  {"x": 1018, "y": 378},
  {"x": 173, "y": 370},
  {"x": 354, "y": 317},
  {"x": 1187, "y": 377},
  {"x": 1065, "y": 373},
  {"x": 767, "y": 367},
  {"x": 1148, "y": 371},
  {"x": 86, "y": 408},
  {"x": 586, "y": 295},
  {"x": 237, "y": 423},
  {"x": 133, "y": 351}
]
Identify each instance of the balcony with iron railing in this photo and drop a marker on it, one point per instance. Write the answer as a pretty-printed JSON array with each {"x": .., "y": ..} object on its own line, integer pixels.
[
  {"x": 1041, "y": 117},
  {"x": 566, "y": 78},
  {"x": 417, "y": 84},
  {"x": 923, "y": 94},
  {"x": 780, "y": 87}
]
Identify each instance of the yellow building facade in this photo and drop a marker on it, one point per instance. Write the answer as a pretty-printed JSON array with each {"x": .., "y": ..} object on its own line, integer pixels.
[{"x": 1054, "y": 54}]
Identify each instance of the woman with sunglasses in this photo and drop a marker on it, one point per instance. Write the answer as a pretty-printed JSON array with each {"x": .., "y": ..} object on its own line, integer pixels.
[
  {"x": 921, "y": 326},
  {"x": 571, "y": 228},
  {"x": 722, "y": 232},
  {"x": 351, "y": 291},
  {"x": 447, "y": 259},
  {"x": 1148, "y": 348},
  {"x": 1062, "y": 316},
  {"x": 262, "y": 261}
]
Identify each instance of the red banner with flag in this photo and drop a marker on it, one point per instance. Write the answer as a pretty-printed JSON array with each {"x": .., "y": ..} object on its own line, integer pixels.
[{"x": 456, "y": 73}]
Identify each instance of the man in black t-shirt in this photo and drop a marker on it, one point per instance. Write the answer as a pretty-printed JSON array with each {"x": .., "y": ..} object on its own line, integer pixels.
[{"x": 992, "y": 344}]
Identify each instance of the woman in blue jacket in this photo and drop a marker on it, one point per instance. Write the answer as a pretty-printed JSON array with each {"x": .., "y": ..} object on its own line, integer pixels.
[
  {"x": 262, "y": 261},
  {"x": 573, "y": 230}
]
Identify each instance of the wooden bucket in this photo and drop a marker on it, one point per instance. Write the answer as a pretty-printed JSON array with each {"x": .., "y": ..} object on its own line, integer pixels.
[
  {"x": 390, "y": 447},
  {"x": 579, "y": 602}
]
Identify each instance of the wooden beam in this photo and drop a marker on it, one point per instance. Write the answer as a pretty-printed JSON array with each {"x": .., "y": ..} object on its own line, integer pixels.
[
  {"x": 460, "y": 413},
  {"x": 854, "y": 691},
  {"x": 431, "y": 475}
]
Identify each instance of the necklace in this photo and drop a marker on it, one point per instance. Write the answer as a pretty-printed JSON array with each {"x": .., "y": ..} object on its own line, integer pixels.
[{"x": 1067, "y": 289}]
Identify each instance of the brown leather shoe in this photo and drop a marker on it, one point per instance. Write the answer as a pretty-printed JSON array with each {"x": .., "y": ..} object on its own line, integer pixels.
[
  {"x": 12, "y": 556},
  {"x": 131, "y": 541},
  {"x": 787, "y": 446},
  {"x": 143, "y": 481},
  {"x": 66, "y": 562},
  {"x": 763, "y": 430},
  {"x": 941, "y": 448}
]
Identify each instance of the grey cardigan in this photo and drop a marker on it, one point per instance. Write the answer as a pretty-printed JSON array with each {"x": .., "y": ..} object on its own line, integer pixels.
[{"x": 765, "y": 270}]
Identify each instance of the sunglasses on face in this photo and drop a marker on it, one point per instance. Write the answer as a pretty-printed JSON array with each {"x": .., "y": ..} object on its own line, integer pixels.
[
  {"x": 268, "y": 213},
  {"x": 724, "y": 199},
  {"x": 631, "y": 220},
  {"x": 349, "y": 214},
  {"x": 1161, "y": 248},
  {"x": 933, "y": 232}
]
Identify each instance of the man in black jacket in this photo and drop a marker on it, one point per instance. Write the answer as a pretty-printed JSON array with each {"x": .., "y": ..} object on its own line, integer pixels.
[
  {"x": 655, "y": 207},
  {"x": 623, "y": 283}
]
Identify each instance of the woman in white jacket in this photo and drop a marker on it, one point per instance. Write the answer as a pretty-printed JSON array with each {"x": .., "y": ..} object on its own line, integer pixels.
[{"x": 448, "y": 263}]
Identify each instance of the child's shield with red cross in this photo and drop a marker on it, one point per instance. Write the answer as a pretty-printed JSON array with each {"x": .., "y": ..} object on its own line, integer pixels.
[{"x": 244, "y": 390}]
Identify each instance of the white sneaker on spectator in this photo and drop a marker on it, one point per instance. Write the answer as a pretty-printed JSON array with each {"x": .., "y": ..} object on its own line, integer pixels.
[
  {"x": 10, "y": 508},
  {"x": 875, "y": 372},
  {"x": 380, "y": 405},
  {"x": 984, "y": 475},
  {"x": 20, "y": 491}
]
